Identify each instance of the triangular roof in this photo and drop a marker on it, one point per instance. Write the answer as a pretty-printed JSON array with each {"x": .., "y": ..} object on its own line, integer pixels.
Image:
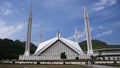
[{"x": 73, "y": 45}]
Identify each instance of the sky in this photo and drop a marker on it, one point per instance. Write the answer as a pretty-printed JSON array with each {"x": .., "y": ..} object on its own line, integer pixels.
[{"x": 62, "y": 15}]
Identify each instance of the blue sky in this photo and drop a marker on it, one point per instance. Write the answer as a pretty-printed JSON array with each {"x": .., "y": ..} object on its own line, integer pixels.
[{"x": 62, "y": 15}]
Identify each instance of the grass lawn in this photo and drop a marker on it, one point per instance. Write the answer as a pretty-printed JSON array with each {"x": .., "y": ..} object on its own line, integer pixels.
[{"x": 41, "y": 66}]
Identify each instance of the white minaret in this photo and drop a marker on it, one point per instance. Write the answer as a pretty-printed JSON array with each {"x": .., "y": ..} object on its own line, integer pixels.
[
  {"x": 88, "y": 36},
  {"x": 28, "y": 39},
  {"x": 76, "y": 35},
  {"x": 40, "y": 33}
]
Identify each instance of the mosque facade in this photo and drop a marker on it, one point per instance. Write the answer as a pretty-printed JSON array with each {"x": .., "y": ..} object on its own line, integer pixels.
[{"x": 52, "y": 49}]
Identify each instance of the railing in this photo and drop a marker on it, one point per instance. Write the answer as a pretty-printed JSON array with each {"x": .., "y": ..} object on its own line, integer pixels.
[
  {"x": 51, "y": 57},
  {"x": 110, "y": 54}
]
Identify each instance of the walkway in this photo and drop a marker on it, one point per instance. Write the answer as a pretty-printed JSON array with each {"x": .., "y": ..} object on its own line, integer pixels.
[{"x": 102, "y": 66}]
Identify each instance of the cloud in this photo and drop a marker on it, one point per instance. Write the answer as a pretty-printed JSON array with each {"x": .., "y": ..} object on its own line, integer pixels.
[
  {"x": 100, "y": 27},
  {"x": 105, "y": 33},
  {"x": 7, "y": 8},
  {"x": 99, "y": 8},
  {"x": 102, "y": 4},
  {"x": 9, "y": 31},
  {"x": 71, "y": 8},
  {"x": 57, "y": 3},
  {"x": 81, "y": 35},
  {"x": 52, "y": 3}
]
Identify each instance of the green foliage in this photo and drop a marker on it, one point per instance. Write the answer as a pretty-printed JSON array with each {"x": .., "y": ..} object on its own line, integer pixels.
[
  {"x": 77, "y": 58},
  {"x": 63, "y": 56},
  {"x": 93, "y": 57},
  {"x": 115, "y": 46},
  {"x": 96, "y": 44},
  {"x": 10, "y": 49}
]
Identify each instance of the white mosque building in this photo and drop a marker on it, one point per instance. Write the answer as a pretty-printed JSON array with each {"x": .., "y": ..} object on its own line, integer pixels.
[{"x": 52, "y": 49}]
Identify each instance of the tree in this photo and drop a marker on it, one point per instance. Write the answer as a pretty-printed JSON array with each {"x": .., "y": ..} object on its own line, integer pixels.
[
  {"x": 109, "y": 58},
  {"x": 77, "y": 58},
  {"x": 118, "y": 58},
  {"x": 93, "y": 58},
  {"x": 10, "y": 49},
  {"x": 103, "y": 58},
  {"x": 63, "y": 56}
]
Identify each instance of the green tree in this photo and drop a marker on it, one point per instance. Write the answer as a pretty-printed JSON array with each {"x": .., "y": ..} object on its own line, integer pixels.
[
  {"x": 63, "y": 56},
  {"x": 118, "y": 58},
  {"x": 77, "y": 58},
  {"x": 109, "y": 58},
  {"x": 10, "y": 49},
  {"x": 93, "y": 58}
]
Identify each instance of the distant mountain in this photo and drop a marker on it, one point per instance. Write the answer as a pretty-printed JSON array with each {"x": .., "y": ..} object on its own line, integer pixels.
[
  {"x": 115, "y": 46},
  {"x": 10, "y": 49},
  {"x": 96, "y": 44}
]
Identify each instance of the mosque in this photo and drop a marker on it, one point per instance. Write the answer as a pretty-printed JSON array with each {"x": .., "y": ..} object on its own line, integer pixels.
[{"x": 52, "y": 49}]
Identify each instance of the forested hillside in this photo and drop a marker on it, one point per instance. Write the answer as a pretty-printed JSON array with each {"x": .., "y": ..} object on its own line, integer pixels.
[
  {"x": 10, "y": 49},
  {"x": 96, "y": 44}
]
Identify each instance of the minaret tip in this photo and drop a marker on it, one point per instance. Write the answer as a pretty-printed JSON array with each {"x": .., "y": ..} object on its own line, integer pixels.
[
  {"x": 30, "y": 14},
  {"x": 40, "y": 33},
  {"x": 76, "y": 34},
  {"x": 85, "y": 11}
]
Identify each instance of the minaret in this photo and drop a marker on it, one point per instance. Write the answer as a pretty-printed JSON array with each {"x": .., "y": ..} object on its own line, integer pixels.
[
  {"x": 88, "y": 36},
  {"x": 28, "y": 39},
  {"x": 76, "y": 35},
  {"x": 40, "y": 33}
]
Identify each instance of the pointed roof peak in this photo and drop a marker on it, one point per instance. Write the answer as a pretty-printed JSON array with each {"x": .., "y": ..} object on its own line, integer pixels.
[{"x": 58, "y": 34}]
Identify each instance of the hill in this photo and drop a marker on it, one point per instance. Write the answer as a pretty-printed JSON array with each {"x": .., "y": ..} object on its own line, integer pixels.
[
  {"x": 10, "y": 49},
  {"x": 96, "y": 44},
  {"x": 115, "y": 46}
]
